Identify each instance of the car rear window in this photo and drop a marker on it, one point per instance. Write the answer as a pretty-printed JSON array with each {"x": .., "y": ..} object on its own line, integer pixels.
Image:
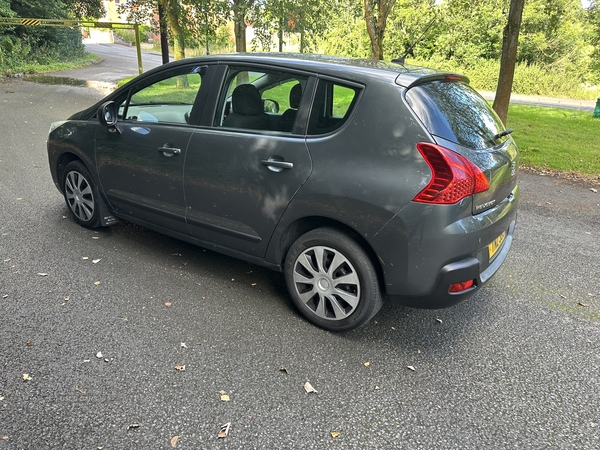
[{"x": 454, "y": 111}]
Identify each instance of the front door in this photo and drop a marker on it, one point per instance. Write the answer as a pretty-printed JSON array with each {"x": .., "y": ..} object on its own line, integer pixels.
[{"x": 140, "y": 162}]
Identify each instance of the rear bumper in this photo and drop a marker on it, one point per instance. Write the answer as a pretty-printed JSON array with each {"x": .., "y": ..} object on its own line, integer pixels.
[
  {"x": 436, "y": 251},
  {"x": 458, "y": 272}
]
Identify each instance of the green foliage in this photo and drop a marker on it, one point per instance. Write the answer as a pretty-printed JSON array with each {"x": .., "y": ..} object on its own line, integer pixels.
[
  {"x": 22, "y": 45},
  {"x": 346, "y": 34}
]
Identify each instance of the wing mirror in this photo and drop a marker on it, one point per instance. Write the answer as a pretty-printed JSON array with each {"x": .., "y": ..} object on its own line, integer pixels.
[{"x": 107, "y": 114}]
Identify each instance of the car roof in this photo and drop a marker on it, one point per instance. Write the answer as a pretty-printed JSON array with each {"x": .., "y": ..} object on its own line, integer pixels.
[{"x": 402, "y": 74}]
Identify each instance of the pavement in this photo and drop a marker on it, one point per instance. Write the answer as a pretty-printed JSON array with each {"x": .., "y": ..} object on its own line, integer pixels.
[{"x": 96, "y": 328}]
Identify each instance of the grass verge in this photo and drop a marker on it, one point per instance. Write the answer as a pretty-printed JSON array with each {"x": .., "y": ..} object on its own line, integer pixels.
[
  {"x": 31, "y": 68},
  {"x": 556, "y": 140}
]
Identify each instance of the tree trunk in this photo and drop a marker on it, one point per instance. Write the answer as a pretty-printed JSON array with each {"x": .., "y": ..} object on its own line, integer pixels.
[
  {"x": 240, "y": 9},
  {"x": 510, "y": 41},
  {"x": 172, "y": 10},
  {"x": 376, "y": 14},
  {"x": 164, "y": 41}
]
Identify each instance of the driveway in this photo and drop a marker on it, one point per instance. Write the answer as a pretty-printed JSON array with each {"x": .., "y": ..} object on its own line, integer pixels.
[{"x": 97, "y": 327}]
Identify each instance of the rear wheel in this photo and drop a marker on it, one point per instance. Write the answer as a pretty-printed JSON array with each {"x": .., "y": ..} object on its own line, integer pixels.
[
  {"x": 81, "y": 195},
  {"x": 332, "y": 280}
]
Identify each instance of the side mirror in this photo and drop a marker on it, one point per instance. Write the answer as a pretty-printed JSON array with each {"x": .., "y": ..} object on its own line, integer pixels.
[{"x": 107, "y": 114}]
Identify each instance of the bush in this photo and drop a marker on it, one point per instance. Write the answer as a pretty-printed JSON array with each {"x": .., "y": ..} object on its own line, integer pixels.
[{"x": 530, "y": 79}]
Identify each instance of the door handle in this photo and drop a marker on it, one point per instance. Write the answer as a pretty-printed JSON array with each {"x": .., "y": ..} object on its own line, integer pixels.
[
  {"x": 277, "y": 166},
  {"x": 168, "y": 150}
]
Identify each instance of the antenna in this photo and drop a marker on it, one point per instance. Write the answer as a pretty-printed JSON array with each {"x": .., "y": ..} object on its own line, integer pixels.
[{"x": 402, "y": 59}]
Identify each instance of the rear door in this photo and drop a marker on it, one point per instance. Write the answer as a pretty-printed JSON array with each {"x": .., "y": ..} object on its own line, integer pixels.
[{"x": 240, "y": 176}]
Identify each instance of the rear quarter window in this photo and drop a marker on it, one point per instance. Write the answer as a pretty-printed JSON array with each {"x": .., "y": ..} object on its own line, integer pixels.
[{"x": 456, "y": 112}]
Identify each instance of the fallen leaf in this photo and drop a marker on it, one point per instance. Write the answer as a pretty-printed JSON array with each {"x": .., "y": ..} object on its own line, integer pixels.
[
  {"x": 412, "y": 368},
  {"x": 174, "y": 440},
  {"x": 284, "y": 370},
  {"x": 377, "y": 388},
  {"x": 95, "y": 261},
  {"x": 439, "y": 320},
  {"x": 593, "y": 190},
  {"x": 79, "y": 390},
  {"x": 593, "y": 424},
  {"x": 29, "y": 343},
  {"x": 335, "y": 434},
  {"x": 95, "y": 237},
  {"x": 224, "y": 396},
  {"x": 5, "y": 296},
  {"x": 583, "y": 304},
  {"x": 224, "y": 430},
  {"x": 253, "y": 284},
  {"x": 233, "y": 279},
  {"x": 180, "y": 368},
  {"x": 168, "y": 304},
  {"x": 97, "y": 283},
  {"x": 85, "y": 258},
  {"x": 27, "y": 377},
  {"x": 562, "y": 296},
  {"x": 99, "y": 355},
  {"x": 367, "y": 364},
  {"x": 183, "y": 345},
  {"x": 43, "y": 274},
  {"x": 309, "y": 389},
  {"x": 4, "y": 438},
  {"x": 133, "y": 425}
]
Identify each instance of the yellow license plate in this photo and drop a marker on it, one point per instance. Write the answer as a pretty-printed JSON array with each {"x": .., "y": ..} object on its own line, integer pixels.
[{"x": 496, "y": 244}]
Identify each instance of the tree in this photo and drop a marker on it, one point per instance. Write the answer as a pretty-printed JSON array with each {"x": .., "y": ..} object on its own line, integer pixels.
[
  {"x": 510, "y": 41},
  {"x": 240, "y": 9},
  {"x": 376, "y": 14},
  {"x": 141, "y": 10}
]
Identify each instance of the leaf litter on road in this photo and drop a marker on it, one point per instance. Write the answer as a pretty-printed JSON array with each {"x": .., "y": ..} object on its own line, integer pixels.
[
  {"x": 224, "y": 431},
  {"x": 309, "y": 388}
]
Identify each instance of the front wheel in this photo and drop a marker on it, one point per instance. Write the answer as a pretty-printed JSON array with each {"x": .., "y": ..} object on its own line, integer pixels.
[
  {"x": 332, "y": 280},
  {"x": 81, "y": 195}
]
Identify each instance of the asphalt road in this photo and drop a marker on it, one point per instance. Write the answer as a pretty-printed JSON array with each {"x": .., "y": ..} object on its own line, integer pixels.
[{"x": 515, "y": 367}]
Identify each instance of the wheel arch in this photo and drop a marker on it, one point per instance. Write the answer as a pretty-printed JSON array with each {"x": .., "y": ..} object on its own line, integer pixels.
[
  {"x": 62, "y": 162},
  {"x": 305, "y": 224}
]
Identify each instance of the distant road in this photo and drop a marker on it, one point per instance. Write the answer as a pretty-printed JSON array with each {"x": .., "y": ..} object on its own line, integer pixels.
[{"x": 119, "y": 61}]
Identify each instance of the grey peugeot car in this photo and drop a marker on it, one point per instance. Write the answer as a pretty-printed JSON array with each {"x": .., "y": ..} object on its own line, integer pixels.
[{"x": 360, "y": 180}]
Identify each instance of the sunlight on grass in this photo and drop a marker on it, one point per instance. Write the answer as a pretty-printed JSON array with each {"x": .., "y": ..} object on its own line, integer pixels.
[{"x": 558, "y": 139}]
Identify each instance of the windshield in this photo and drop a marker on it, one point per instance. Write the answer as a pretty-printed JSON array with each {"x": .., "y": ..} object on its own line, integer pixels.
[{"x": 454, "y": 111}]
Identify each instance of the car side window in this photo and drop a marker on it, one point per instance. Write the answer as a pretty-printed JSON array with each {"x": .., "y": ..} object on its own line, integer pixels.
[
  {"x": 168, "y": 100},
  {"x": 265, "y": 100},
  {"x": 333, "y": 104}
]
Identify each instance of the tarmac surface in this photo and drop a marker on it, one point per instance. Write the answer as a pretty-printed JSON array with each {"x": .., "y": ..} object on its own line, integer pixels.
[{"x": 94, "y": 326}]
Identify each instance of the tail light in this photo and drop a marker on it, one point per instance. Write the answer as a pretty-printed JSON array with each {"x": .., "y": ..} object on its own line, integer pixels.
[{"x": 454, "y": 176}]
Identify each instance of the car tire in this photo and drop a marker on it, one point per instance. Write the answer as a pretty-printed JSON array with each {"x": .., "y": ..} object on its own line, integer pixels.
[
  {"x": 332, "y": 280},
  {"x": 81, "y": 195}
]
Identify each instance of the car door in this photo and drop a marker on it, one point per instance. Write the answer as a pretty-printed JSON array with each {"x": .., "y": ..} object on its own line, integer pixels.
[
  {"x": 242, "y": 170},
  {"x": 140, "y": 160}
]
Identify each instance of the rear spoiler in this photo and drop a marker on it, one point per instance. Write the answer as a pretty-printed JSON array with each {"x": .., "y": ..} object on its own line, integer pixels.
[{"x": 408, "y": 81}]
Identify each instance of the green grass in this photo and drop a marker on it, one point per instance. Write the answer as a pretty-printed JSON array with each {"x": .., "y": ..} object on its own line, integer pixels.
[
  {"x": 31, "y": 68},
  {"x": 555, "y": 139}
]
